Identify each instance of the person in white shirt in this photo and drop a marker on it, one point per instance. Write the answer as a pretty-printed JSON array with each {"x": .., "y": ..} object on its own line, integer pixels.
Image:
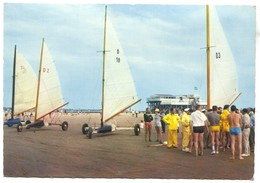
[
  {"x": 199, "y": 122},
  {"x": 245, "y": 132}
]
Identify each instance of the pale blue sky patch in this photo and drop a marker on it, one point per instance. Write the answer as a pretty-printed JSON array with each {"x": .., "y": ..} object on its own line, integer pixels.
[{"x": 162, "y": 44}]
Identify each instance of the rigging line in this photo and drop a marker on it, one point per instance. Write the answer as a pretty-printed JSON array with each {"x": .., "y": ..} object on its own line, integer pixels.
[
  {"x": 95, "y": 95},
  {"x": 56, "y": 117}
]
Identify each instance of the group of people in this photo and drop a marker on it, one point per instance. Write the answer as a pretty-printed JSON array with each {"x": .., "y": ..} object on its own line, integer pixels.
[
  {"x": 223, "y": 128},
  {"x": 23, "y": 116}
]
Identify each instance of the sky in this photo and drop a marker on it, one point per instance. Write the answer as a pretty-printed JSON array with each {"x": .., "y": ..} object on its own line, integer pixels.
[{"x": 162, "y": 44}]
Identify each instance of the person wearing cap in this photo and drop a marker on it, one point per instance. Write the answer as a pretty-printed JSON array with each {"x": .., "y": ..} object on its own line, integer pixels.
[
  {"x": 172, "y": 120},
  {"x": 148, "y": 125},
  {"x": 234, "y": 120},
  {"x": 158, "y": 125},
  {"x": 185, "y": 122},
  {"x": 214, "y": 119},
  {"x": 225, "y": 128}
]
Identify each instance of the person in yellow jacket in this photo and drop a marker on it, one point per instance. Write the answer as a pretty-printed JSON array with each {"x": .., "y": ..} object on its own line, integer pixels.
[
  {"x": 185, "y": 122},
  {"x": 172, "y": 120},
  {"x": 225, "y": 127}
]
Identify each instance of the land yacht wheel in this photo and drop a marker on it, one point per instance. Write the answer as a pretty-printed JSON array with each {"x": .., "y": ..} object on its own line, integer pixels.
[
  {"x": 85, "y": 128},
  {"x": 19, "y": 127},
  {"x": 89, "y": 133},
  {"x": 137, "y": 129},
  {"x": 65, "y": 126}
]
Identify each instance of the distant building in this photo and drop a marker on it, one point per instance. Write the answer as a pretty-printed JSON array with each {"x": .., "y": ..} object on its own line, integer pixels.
[{"x": 165, "y": 101}]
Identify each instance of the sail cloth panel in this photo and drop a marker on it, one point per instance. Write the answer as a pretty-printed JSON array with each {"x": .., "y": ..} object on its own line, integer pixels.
[
  {"x": 50, "y": 95},
  {"x": 224, "y": 80},
  {"x": 119, "y": 88},
  {"x": 25, "y": 85}
]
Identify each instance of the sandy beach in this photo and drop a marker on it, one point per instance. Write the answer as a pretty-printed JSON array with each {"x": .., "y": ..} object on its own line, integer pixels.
[{"x": 51, "y": 152}]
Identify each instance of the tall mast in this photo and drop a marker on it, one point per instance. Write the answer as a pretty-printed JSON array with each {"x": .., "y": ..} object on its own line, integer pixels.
[
  {"x": 13, "y": 90},
  {"x": 208, "y": 56},
  {"x": 103, "y": 69},
  {"x": 39, "y": 79}
]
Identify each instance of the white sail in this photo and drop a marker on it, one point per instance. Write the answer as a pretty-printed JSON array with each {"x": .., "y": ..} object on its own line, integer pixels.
[
  {"x": 224, "y": 80},
  {"x": 119, "y": 88},
  {"x": 50, "y": 95},
  {"x": 25, "y": 85}
]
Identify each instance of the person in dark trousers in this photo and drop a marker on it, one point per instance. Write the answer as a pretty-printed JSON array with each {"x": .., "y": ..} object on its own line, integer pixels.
[{"x": 162, "y": 122}]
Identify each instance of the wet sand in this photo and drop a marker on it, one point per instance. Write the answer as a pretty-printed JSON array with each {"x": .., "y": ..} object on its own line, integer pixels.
[{"x": 51, "y": 152}]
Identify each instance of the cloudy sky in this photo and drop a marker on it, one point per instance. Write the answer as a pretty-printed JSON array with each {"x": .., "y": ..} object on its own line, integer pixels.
[{"x": 162, "y": 44}]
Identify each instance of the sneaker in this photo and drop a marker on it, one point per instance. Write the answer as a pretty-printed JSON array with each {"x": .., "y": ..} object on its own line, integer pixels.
[
  {"x": 245, "y": 155},
  {"x": 186, "y": 149},
  {"x": 217, "y": 152},
  {"x": 213, "y": 152}
]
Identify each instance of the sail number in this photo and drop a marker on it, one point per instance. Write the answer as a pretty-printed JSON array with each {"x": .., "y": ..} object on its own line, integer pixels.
[
  {"x": 45, "y": 70},
  {"x": 23, "y": 69},
  {"x": 117, "y": 58},
  {"x": 218, "y": 55}
]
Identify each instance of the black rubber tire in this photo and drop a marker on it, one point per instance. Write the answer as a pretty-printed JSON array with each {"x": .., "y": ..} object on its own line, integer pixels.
[
  {"x": 65, "y": 126},
  {"x": 137, "y": 129},
  {"x": 84, "y": 128},
  {"x": 9, "y": 125},
  {"x": 19, "y": 127},
  {"x": 89, "y": 133}
]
